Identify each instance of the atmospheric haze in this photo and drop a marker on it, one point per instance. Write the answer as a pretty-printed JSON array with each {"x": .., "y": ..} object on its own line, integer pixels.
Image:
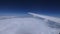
[{"x": 26, "y": 25}]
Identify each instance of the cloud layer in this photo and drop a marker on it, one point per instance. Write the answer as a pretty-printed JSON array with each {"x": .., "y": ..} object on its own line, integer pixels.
[{"x": 29, "y": 25}]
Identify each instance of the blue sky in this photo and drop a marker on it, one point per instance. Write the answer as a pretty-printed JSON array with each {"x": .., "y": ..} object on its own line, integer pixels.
[{"x": 23, "y": 6}]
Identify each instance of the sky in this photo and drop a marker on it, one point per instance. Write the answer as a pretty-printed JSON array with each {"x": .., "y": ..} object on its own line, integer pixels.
[
  {"x": 30, "y": 25},
  {"x": 18, "y": 7}
]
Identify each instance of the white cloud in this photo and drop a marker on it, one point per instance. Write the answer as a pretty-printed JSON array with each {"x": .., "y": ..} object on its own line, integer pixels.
[{"x": 25, "y": 26}]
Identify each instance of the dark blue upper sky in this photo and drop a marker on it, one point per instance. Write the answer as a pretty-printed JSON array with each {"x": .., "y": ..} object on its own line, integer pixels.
[{"x": 51, "y": 7}]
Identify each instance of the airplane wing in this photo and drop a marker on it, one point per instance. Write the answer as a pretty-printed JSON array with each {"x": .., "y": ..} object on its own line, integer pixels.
[{"x": 55, "y": 19}]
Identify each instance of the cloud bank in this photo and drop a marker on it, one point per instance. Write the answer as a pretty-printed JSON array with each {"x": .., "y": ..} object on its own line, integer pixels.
[{"x": 29, "y": 25}]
